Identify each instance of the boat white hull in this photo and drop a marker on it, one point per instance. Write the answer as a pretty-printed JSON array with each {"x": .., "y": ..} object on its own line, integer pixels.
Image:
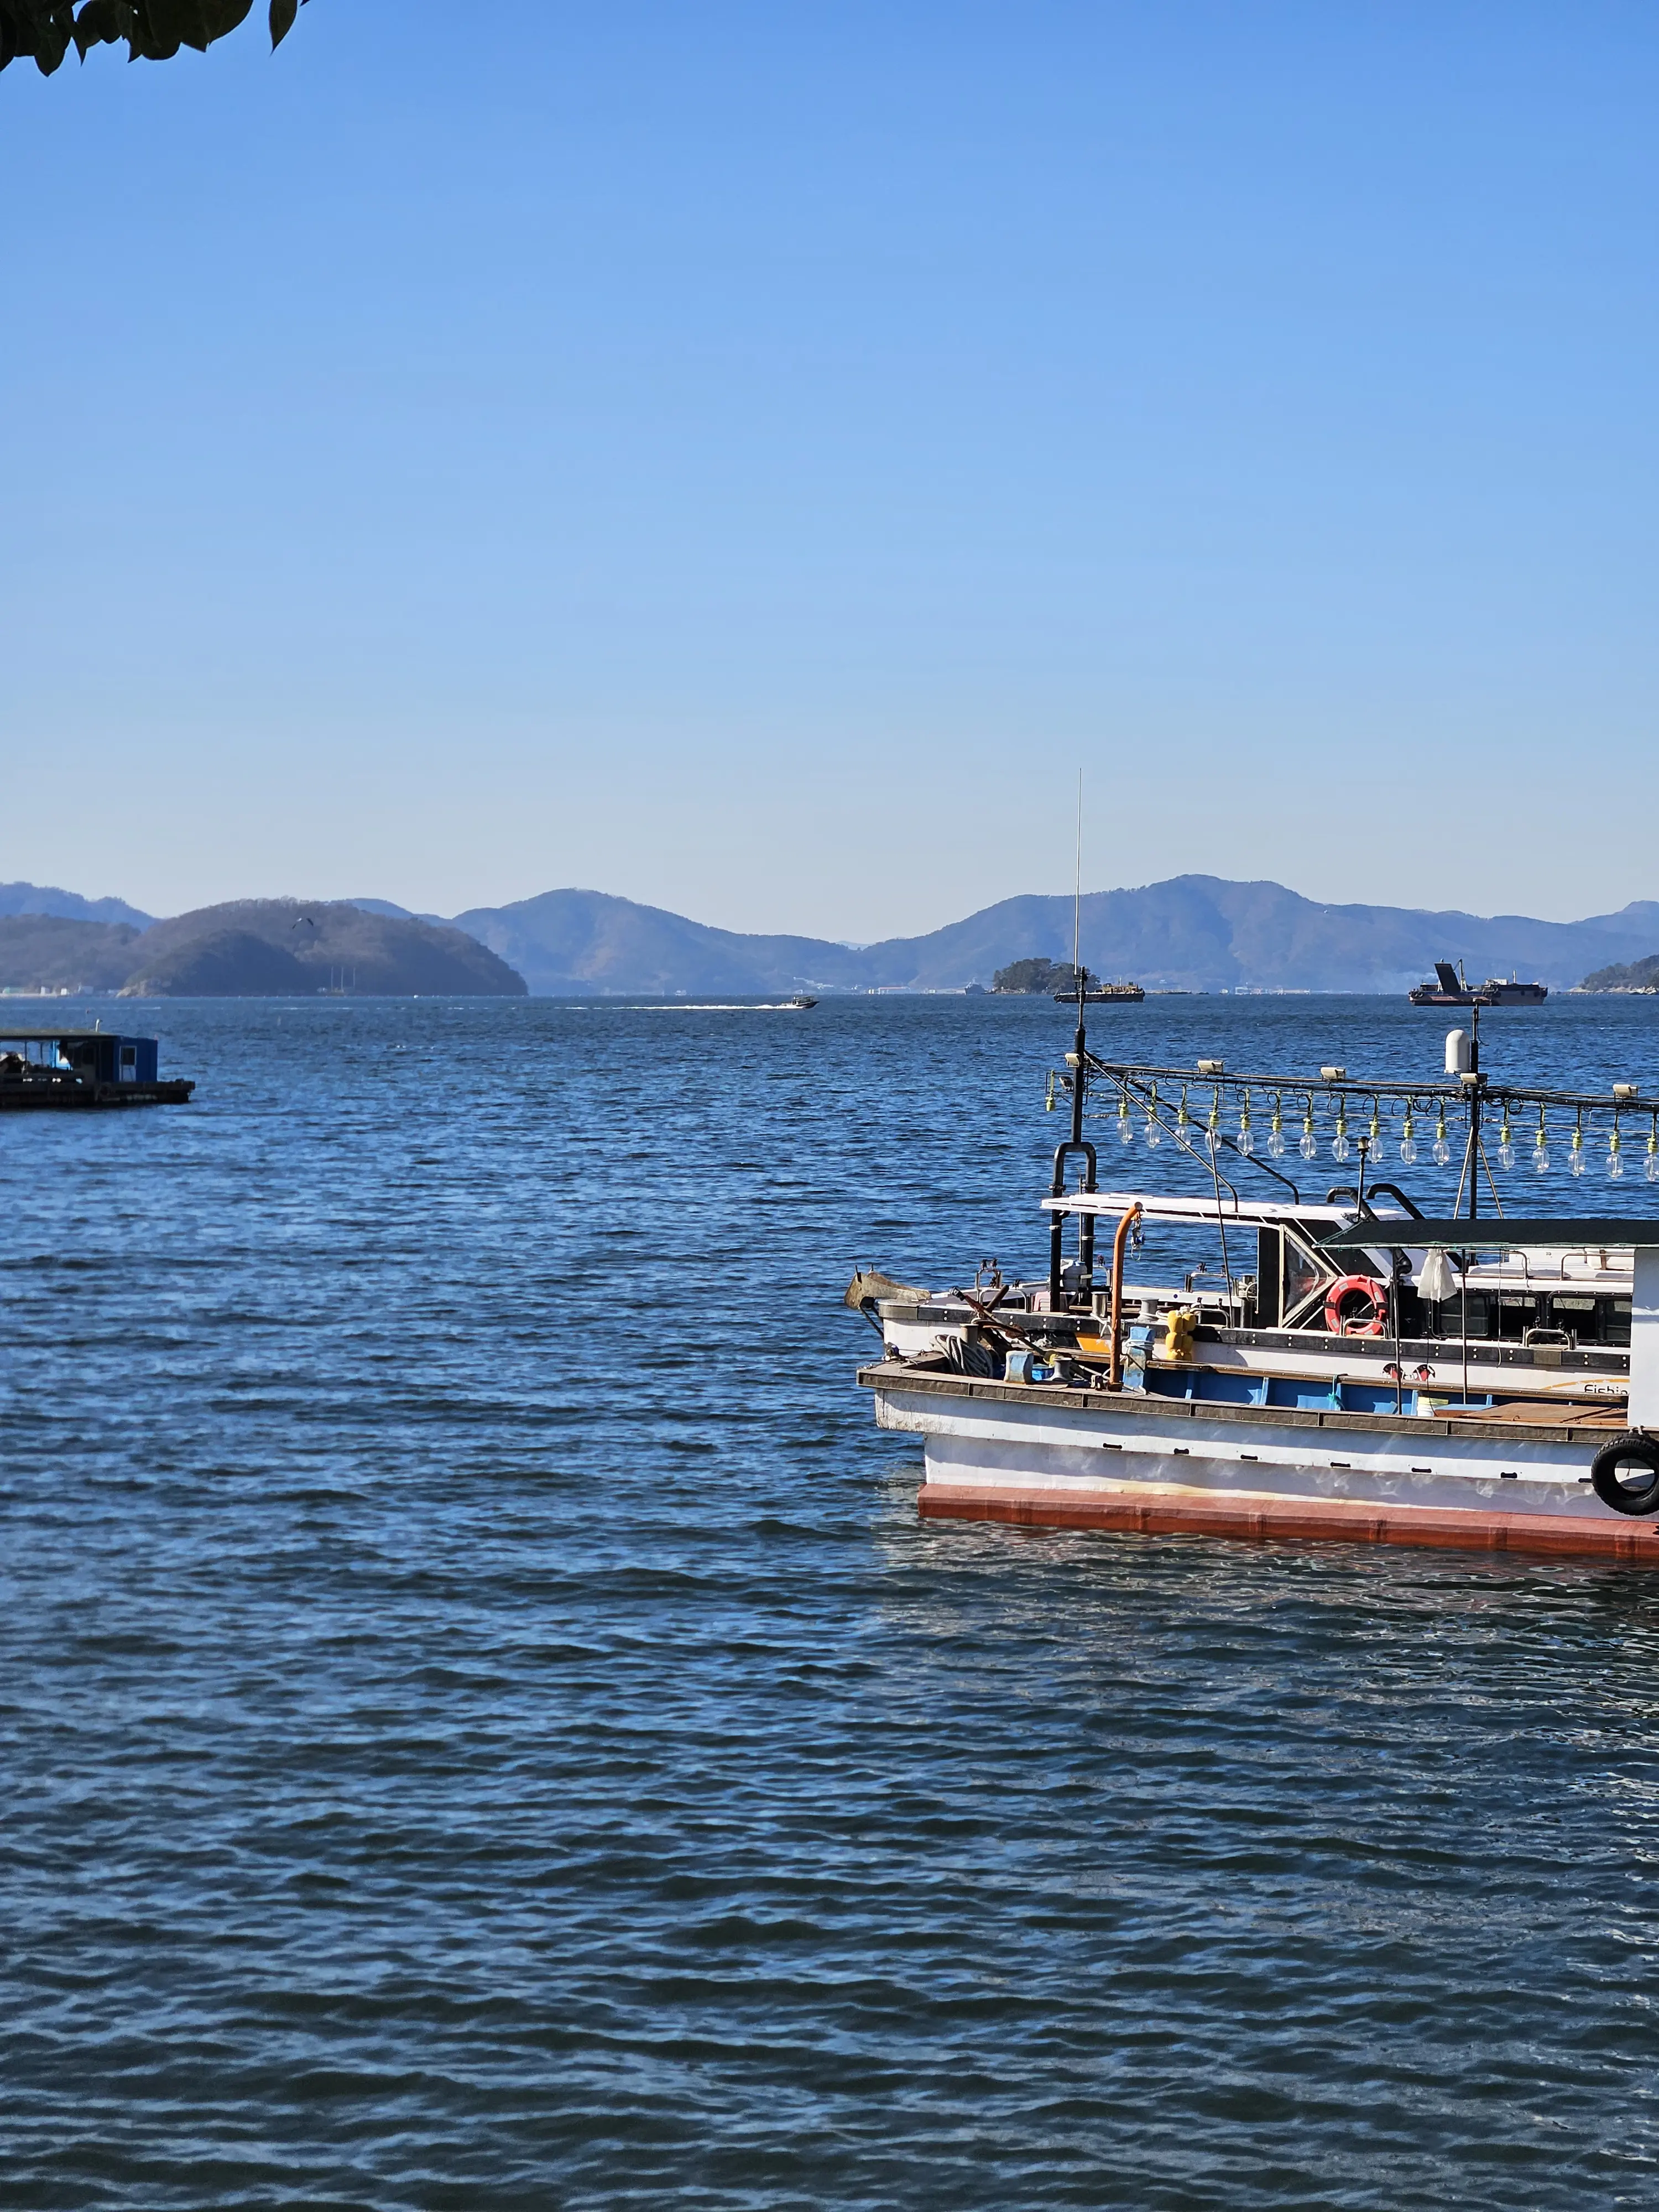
[{"x": 1083, "y": 1459}]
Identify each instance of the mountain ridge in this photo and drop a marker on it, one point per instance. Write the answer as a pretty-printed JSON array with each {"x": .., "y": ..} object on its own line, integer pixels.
[
  {"x": 251, "y": 948},
  {"x": 1188, "y": 932},
  {"x": 47, "y": 900},
  {"x": 1194, "y": 933}
]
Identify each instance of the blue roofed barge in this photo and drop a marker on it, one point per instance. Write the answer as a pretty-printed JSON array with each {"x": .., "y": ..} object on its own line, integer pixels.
[{"x": 83, "y": 1067}]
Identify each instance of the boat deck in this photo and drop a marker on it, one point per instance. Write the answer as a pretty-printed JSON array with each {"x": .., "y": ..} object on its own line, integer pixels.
[{"x": 1590, "y": 1425}]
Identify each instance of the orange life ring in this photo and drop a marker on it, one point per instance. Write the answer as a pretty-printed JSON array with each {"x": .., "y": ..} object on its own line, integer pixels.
[{"x": 1369, "y": 1288}]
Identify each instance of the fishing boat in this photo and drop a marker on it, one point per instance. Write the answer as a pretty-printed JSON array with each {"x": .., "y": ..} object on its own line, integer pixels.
[
  {"x": 1338, "y": 1364},
  {"x": 1452, "y": 989},
  {"x": 65, "y": 1067},
  {"x": 1104, "y": 994}
]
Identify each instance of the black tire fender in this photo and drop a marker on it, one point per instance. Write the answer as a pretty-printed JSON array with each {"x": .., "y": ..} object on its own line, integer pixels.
[{"x": 1636, "y": 1448}]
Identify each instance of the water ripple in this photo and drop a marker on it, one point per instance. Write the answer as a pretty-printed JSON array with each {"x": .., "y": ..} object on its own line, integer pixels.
[{"x": 484, "y": 1726}]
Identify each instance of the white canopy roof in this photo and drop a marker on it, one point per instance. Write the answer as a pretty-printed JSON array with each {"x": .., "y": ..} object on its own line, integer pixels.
[{"x": 1161, "y": 1208}]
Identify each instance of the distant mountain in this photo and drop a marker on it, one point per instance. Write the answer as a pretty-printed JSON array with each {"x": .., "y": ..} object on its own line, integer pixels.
[
  {"x": 383, "y": 906},
  {"x": 266, "y": 948},
  {"x": 253, "y": 948},
  {"x": 221, "y": 964},
  {"x": 1641, "y": 915},
  {"x": 582, "y": 943},
  {"x": 1205, "y": 934},
  {"x": 40, "y": 952},
  {"x": 397, "y": 913},
  {"x": 1192, "y": 933},
  {"x": 69, "y": 906}
]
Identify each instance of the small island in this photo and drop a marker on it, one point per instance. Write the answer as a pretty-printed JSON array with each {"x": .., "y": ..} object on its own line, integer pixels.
[
  {"x": 1038, "y": 978},
  {"x": 1059, "y": 980}
]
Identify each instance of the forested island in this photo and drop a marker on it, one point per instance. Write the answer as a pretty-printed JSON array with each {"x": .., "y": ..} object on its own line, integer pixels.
[
  {"x": 1630, "y": 975},
  {"x": 1036, "y": 977}
]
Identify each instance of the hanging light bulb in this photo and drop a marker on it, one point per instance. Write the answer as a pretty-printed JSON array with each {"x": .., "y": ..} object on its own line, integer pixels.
[
  {"x": 1615, "y": 1154},
  {"x": 1246, "y": 1135},
  {"x": 1212, "y": 1130},
  {"x": 1183, "y": 1122},
  {"x": 1651, "y": 1167},
  {"x": 1442, "y": 1148},
  {"x": 1309, "y": 1146},
  {"x": 1379, "y": 1150},
  {"x": 1575, "y": 1154},
  {"x": 1276, "y": 1132},
  {"x": 1540, "y": 1150},
  {"x": 1408, "y": 1136},
  {"x": 1048, "y": 1102},
  {"x": 1126, "y": 1127},
  {"x": 1505, "y": 1142},
  {"x": 1151, "y": 1132},
  {"x": 1339, "y": 1142}
]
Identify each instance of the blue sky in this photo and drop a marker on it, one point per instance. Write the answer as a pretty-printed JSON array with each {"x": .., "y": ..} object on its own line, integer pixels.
[{"x": 745, "y": 459}]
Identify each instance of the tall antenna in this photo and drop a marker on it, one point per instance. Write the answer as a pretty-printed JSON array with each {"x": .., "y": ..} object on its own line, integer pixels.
[{"x": 1077, "y": 900}]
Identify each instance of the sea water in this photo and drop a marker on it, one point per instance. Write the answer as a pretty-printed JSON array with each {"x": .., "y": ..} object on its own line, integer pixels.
[{"x": 482, "y": 1724}]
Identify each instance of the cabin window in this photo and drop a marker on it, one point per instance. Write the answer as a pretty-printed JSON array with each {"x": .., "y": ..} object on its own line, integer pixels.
[
  {"x": 1269, "y": 1265},
  {"x": 1302, "y": 1276},
  {"x": 1481, "y": 1315},
  {"x": 129, "y": 1063},
  {"x": 1613, "y": 1321}
]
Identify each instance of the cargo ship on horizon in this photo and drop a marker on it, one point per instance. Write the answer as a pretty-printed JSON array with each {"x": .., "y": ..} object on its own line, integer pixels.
[{"x": 1452, "y": 989}]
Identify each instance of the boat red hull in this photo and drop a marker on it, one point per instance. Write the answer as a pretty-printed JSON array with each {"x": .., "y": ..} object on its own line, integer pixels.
[{"x": 1168, "y": 1512}]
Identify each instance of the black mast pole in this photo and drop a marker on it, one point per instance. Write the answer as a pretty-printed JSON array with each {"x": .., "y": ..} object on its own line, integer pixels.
[
  {"x": 1474, "y": 1116},
  {"x": 1077, "y": 1142},
  {"x": 1085, "y": 1248}
]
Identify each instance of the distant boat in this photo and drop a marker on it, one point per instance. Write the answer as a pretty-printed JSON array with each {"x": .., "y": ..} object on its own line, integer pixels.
[
  {"x": 801, "y": 1004},
  {"x": 1454, "y": 989},
  {"x": 83, "y": 1067},
  {"x": 1101, "y": 995}
]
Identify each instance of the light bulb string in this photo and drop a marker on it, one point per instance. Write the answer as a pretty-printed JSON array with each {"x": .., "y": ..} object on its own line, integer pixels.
[
  {"x": 1505, "y": 1098},
  {"x": 1139, "y": 1087},
  {"x": 1193, "y": 1151},
  {"x": 1491, "y": 1185}
]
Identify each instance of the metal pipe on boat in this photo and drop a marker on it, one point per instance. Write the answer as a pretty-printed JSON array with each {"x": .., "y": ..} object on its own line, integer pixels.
[
  {"x": 1114, "y": 1365},
  {"x": 1057, "y": 1221},
  {"x": 1085, "y": 1243},
  {"x": 1077, "y": 1142}
]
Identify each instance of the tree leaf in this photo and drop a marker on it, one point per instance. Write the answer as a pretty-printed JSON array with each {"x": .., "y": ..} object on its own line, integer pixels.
[{"x": 154, "y": 30}]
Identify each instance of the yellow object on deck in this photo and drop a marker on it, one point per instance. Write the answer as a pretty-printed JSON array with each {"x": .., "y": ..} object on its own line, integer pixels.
[{"x": 1178, "y": 1327}]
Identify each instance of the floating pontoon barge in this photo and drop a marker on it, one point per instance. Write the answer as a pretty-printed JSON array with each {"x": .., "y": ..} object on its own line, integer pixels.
[{"x": 68, "y": 1067}]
